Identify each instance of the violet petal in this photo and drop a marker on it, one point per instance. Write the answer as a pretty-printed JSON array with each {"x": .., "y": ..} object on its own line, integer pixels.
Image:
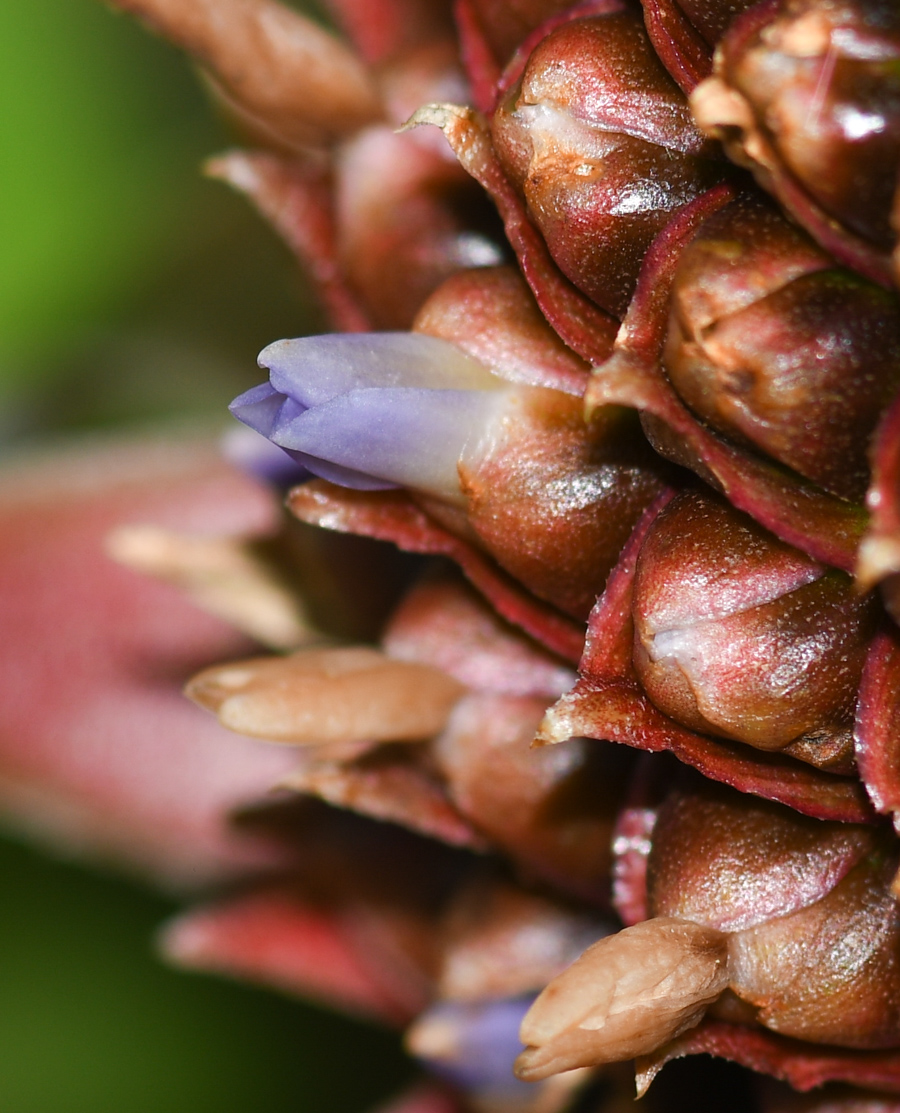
[
  {"x": 408, "y": 436},
  {"x": 256, "y": 456},
  {"x": 473, "y": 1044},
  {"x": 315, "y": 369},
  {"x": 259, "y": 408}
]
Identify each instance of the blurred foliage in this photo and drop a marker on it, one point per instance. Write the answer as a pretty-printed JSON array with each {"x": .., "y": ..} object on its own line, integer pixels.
[
  {"x": 132, "y": 289},
  {"x": 92, "y": 1022}
]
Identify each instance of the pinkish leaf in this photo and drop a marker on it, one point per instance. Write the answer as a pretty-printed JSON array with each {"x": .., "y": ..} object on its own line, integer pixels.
[
  {"x": 99, "y": 751},
  {"x": 272, "y": 936}
]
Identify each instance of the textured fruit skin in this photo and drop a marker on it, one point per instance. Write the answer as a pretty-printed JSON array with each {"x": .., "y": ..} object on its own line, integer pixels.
[
  {"x": 600, "y": 180},
  {"x": 777, "y": 349},
  {"x": 806, "y": 93},
  {"x": 738, "y": 635}
]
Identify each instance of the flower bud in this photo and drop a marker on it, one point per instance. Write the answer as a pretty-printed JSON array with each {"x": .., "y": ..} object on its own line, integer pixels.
[
  {"x": 807, "y": 93},
  {"x": 551, "y": 498},
  {"x": 600, "y": 141},
  {"x": 776, "y": 348},
  {"x": 741, "y": 636},
  {"x": 627, "y": 994},
  {"x": 320, "y": 696},
  {"x": 373, "y": 411},
  {"x": 472, "y": 1044}
]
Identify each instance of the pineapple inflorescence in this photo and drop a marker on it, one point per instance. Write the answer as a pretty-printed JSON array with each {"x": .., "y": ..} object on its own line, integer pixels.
[{"x": 616, "y": 355}]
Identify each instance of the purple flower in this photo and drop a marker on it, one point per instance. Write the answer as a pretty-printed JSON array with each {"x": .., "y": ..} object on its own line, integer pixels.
[
  {"x": 473, "y": 1044},
  {"x": 374, "y": 411}
]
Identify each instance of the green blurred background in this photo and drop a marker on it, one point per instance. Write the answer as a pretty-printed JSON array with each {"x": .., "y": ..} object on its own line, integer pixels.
[{"x": 131, "y": 290}]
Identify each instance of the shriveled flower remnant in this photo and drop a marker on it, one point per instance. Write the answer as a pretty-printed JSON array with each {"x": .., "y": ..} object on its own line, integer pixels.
[{"x": 636, "y": 413}]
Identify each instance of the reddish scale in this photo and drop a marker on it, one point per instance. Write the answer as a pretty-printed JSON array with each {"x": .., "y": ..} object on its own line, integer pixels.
[
  {"x": 814, "y": 927},
  {"x": 740, "y": 636},
  {"x": 600, "y": 141},
  {"x": 776, "y": 348}
]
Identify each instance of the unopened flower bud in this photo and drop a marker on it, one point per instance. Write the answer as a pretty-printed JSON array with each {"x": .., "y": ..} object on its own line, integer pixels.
[
  {"x": 627, "y": 995},
  {"x": 472, "y": 1043},
  {"x": 807, "y": 93},
  {"x": 551, "y": 498},
  {"x": 373, "y": 411},
  {"x": 739, "y": 635},
  {"x": 773, "y": 346},
  {"x": 600, "y": 141},
  {"x": 321, "y": 696}
]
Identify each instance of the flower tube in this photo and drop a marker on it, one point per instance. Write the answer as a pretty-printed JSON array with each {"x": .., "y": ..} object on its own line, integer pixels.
[
  {"x": 374, "y": 411},
  {"x": 514, "y": 466}
]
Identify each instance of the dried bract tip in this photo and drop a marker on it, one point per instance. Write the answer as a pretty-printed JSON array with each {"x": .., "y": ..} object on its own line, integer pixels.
[
  {"x": 627, "y": 995},
  {"x": 278, "y": 71},
  {"x": 220, "y": 574},
  {"x": 321, "y": 696}
]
